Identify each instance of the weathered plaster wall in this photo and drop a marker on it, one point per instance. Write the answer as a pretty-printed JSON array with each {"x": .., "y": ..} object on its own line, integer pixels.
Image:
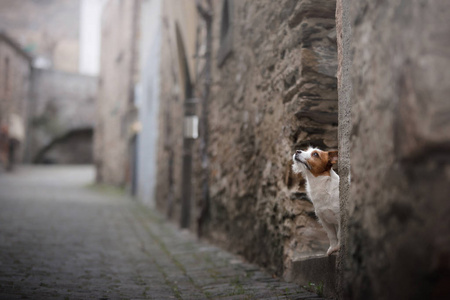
[
  {"x": 148, "y": 99},
  {"x": 398, "y": 226},
  {"x": 115, "y": 100}
]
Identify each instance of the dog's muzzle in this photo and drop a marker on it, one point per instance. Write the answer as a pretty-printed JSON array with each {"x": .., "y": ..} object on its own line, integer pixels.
[{"x": 298, "y": 158}]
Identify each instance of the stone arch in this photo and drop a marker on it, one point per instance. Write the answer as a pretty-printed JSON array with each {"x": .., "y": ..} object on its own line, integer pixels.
[{"x": 67, "y": 148}]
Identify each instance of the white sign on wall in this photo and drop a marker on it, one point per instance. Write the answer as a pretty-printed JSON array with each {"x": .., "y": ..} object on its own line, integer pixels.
[{"x": 191, "y": 127}]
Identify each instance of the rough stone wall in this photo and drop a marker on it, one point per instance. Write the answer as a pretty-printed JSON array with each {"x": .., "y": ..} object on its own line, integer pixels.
[
  {"x": 15, "y": 71},
  {"x": 60, "y": 103},
  {"x": 344, "y": 34},
  {"x": 275, "y": 92},
  {"x": 48, "y": 29},
  {"x": 397, "y": 243},
  {"x": 115, "y": 106}
]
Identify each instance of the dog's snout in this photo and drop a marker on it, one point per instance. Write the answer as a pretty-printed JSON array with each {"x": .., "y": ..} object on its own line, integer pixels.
[{"x": 298, "y": 151}]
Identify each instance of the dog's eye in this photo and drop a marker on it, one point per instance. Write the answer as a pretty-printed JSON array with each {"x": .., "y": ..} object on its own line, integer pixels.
[{"x": 315, "y": 154}]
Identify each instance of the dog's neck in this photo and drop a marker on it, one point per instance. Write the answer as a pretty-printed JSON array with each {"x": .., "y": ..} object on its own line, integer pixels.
[{"x": 320, "y": 185}]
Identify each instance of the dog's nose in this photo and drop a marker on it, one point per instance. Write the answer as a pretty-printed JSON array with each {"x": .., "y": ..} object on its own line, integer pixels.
[{"x": 298, "y": 151}]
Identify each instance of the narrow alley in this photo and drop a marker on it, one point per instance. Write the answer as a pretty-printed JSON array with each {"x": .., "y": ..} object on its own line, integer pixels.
[{"x": 61, "y": 237}]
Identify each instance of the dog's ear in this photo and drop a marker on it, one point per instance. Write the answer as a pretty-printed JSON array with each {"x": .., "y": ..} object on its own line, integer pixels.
[{"x": 332, "y": 157}]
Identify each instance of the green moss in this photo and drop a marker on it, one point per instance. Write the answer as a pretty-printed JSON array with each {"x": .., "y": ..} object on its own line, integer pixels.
[{"x": 107, "y": 189}]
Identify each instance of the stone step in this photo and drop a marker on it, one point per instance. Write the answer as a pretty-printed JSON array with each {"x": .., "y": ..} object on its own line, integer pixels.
[{"x": 314, "y": 272}]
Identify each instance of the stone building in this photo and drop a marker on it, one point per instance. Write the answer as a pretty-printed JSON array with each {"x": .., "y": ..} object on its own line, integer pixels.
[
  {"x": 263, "y": 74},
  {"x": 394, "y": 141},
  {"x": 242, "y": 84},
  {"x": 273, "y": 89},
  {"x": 114, "y": 141},
  {"x": 147, "y": 100},
  {"x": 61, "y": 117},
  {"x": 63, "y": 37},
  {"x": 15, "y": 72}
]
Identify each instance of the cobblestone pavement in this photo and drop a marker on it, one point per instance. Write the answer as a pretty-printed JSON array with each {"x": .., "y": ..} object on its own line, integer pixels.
[{"x": 61, "y": 238}]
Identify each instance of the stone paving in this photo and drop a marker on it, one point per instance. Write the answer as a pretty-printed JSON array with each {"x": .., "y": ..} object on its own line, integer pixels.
[{"x": 63, "y": 238}]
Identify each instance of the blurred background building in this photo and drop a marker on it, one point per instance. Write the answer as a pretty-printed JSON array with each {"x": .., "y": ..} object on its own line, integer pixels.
[
  {"x": 15, "y": 66},
  {"x": 63, "y": 39},
  {"x": 262, "y": 74}
]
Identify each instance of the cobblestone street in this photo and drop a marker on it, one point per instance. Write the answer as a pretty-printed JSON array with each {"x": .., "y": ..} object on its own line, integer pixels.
[{"x": 63, "y": 238}]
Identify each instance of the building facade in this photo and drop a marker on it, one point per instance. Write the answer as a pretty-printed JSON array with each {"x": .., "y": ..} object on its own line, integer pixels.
[
  {"x": 114, "y": 140},
  {"x": 147, "y": 100},
  {"x": 273, "y": 89},
  {"x": 238, "y": 86},
  {"x": 394, "y": 140},
  {"x": 64, "y": 39},
  {"x": 221, "y": 106}
]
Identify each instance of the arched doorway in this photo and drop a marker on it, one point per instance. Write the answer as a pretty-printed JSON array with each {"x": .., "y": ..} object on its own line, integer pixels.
[{"x": 74, "y": 147}]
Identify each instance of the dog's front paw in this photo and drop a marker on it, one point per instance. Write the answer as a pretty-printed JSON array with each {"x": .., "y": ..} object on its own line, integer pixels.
[{"x": 331, "y": 250}]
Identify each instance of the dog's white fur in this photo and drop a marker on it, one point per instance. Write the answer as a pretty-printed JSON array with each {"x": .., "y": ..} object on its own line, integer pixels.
[{"x": 324, "y": 194}]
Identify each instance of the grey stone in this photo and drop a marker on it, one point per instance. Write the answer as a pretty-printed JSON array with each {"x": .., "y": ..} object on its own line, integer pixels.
[
  {"x": 394, "y": 211},
  {"x": 69, "y": 239}
]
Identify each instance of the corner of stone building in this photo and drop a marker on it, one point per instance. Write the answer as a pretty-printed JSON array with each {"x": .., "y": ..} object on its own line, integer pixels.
[
  {"x": 343, "y": 31},
  {"x": 395, "y": 244}
]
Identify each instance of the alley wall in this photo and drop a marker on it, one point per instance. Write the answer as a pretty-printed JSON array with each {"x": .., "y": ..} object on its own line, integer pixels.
[
  {"x": 115, "y": 102},
  {"x": 273, "y": 91},
  {"x": 397, "y": 244}
]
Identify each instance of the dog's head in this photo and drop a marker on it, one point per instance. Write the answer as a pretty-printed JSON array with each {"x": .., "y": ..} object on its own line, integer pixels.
[{"x": 315, "y": 161}]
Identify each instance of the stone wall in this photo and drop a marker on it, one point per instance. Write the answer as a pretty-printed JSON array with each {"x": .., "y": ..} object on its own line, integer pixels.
[
  {"x": 115, "y": 107},
  {"x": 15, "y": 69},
  {"x": 273, "y": 90},
  {"x": 344, "y": 34},
  {"x": 397, "y": 236},
  {"x": 61, "y": 104},
  {"x": 275, "y": 93}
]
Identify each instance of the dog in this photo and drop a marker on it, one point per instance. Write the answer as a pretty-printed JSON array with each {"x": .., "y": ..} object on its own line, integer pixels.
[{"x": 322, "y": 187}]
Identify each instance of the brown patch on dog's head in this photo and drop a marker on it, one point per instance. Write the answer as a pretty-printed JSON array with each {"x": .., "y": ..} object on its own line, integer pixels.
[{"x": 320, "y": 162}]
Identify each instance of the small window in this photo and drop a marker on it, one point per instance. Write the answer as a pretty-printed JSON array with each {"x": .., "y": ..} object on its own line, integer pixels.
[{"x": 226, "y": 32}]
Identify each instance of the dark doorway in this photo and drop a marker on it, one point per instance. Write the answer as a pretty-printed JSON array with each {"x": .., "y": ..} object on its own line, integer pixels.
[{"x": 74, "y": 147}]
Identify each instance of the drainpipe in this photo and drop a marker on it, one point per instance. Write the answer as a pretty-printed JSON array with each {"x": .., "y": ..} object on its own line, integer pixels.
[{"x": 207, "y": 17}]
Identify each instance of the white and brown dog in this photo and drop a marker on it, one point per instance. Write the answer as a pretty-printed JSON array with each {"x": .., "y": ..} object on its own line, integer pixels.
[{"x": 322, "y": 186}]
